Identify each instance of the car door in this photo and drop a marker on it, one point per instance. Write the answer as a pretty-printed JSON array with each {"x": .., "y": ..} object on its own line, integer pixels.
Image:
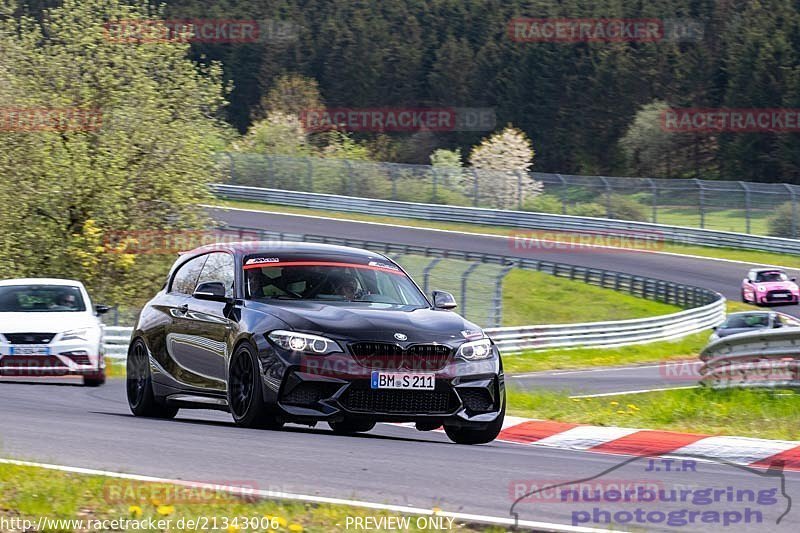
[
  {"x": 175, "y": 356},
  {"x": 200, "y": 335}
]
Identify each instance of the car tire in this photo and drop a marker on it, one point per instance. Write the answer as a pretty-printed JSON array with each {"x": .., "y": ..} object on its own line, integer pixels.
[
  {"x": 744, "y": 298},
  {"x": 350, "y": 426},
  {"x": 245, "y": 395},
  {"x": 467, "y": 435},
  {"x": 94, "y": 380},
  {"x": 139, "y": 385}
]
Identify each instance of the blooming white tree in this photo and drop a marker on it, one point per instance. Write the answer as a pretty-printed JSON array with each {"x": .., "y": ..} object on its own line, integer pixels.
[{"x": 502, "y": 163}]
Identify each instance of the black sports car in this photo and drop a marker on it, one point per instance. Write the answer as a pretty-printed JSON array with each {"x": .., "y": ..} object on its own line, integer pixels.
[{"x": 294, "y": 332}]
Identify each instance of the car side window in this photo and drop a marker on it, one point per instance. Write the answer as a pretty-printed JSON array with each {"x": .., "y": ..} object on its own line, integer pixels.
[
  {"x": 220, "y": 268},
  {"x": 185, "y": 279}
]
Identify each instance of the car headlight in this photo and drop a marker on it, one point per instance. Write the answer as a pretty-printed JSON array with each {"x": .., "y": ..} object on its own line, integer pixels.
[
  {"x": 75, "y": 335},
  {"x": 475, "y": 350},
  {"x": 304, "y": 342}
]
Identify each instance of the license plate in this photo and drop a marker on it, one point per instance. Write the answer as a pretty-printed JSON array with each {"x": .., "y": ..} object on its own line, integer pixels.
[
  {"x": 30, "y": 349},
  {"x": 781, "y": 295},
  {"x": 403, "y": 380}
]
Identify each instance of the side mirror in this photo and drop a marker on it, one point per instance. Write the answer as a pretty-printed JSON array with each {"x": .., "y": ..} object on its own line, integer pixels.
[
  {"x": 211, "y": 290},
  {"x": 443, "y": 300},
  {"x": 101, "y": 309},
  {"x": 715, "y": 328}
]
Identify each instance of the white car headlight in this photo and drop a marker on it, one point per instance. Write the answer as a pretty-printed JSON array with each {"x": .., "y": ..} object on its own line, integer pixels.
[
  {"x": 76, "y": 335},
  {"x": 304, "y": 342},
  {"x": 475, "y": 350}
]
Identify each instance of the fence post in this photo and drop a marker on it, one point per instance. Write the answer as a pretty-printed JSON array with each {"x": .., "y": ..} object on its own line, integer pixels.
[
  {"x": 310, "y": 167},
  {"x": 794, "y": 209},
  {"x": 349, "y": 186},
  {"x": 702, "y": 198},
  {"x": 435, "y": 182},
  {"x": 654, "y": 201},
  {"x": 426, "y": 274},
  {"x": 608, "y": 195},
  {"x": 271, "y": 172},
  {"x": 232, "y": 172},
  {"x": 497, "y": 304},
  {"x": 563, "y": 194},
  {"x": 475, "y": 191},
  {"x": 746, "y": 205},
  {"x": 519, "y": 190},
  {"x": 464, "y": 277}
]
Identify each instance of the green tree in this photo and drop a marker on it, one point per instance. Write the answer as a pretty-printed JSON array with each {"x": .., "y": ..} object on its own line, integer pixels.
[{"x": 75, "y": 197}]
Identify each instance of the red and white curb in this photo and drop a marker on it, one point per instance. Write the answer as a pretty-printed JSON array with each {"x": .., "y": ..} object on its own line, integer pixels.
[{"x": 648, "y": 442}]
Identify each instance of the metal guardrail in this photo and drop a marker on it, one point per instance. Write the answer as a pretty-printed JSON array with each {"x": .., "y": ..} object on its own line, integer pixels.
[
  {"x": 116, "y": 340},
  {"x": 705, "y": 308},
  {"x": 737, "y": 206},
  {"x": 762, "y": 359},
  {"x": 652, "y": 235}
]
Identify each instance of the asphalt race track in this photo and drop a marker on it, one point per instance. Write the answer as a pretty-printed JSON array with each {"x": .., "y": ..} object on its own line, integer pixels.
[{"x": 92, "y": 428}]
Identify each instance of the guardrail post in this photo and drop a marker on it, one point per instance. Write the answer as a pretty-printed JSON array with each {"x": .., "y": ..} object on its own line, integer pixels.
[
  {"x": 497, "y": 303},
  {"x": 426, "y": 274},
  {"x": 464, "y": 277}
]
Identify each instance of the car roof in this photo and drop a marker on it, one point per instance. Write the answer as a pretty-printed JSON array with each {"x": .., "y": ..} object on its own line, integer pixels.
[
  {"x": 285, "y": 247},
  {"x": 41, "y": 281},
  {"x": 757, "y": 270}
]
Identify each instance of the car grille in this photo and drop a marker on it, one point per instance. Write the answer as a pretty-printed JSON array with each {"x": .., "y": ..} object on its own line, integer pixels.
[
  {"x": 367, "y": 400},
  {"x": 779, "y": 296},
  {"x": 30, "y": 362},
  {"x": 29, "y": 338},
  {"x": 387, "y": 356}
]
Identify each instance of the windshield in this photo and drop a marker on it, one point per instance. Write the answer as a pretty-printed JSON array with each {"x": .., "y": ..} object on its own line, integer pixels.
[
  {"x": 40, "y": 299},
  {"x": 766, "y": 277},
  {"x": 333, "y": 282},
  {"x": 747, "y": 321}
]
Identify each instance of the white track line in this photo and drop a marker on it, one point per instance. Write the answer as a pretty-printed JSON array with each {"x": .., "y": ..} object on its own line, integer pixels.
[
  {"x": 642, "y": 391},
  {"x": 505, "y": 237},
  {"x": 275, "y": 495}
]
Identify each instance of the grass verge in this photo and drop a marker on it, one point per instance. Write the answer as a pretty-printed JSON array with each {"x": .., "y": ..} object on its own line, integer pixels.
[
  {"x": 30, "y": 493},
  {"x": 749, "y": 413},
  {"x": 746, "y": 256}
]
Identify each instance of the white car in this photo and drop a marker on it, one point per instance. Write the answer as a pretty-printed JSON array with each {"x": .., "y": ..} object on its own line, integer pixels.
[{"x": 48, "y": 327}]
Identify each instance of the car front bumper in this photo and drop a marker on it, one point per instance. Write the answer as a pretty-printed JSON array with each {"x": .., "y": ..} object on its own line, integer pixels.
[
  {"x": 60, "y": 359},
  {"x": 466, "y": 393}
]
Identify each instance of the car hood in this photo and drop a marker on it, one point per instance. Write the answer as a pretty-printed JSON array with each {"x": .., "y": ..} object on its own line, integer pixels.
[
  {"x": 375, "y": 322},
  {"x": 778, "y": 285},
  {"x": 45, "y": 322}
]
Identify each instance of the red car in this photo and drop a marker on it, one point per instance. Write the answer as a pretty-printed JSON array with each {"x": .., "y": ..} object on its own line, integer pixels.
[{"x": 769, "y": 286}]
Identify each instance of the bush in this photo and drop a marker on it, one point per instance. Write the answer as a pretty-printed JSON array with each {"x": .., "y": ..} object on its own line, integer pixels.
[
  {"x": 545, "y": 203},
  {"x": 780, "y": 223},
  {"x": 626, "y": 208},
  {"x": 590, "y": 209}
]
